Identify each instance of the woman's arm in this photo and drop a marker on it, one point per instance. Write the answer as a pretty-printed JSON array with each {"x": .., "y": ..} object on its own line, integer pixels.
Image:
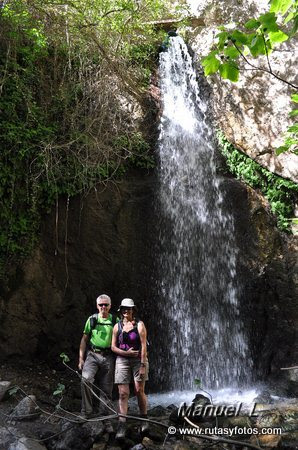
[
  {"x": 143, "y": 338},
  {"x": 118, "y": 351}
]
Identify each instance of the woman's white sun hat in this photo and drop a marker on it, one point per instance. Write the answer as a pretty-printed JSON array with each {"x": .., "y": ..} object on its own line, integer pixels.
[{"x": 128, "y": 302}]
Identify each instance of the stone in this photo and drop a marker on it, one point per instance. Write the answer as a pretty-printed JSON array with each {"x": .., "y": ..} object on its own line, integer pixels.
[
  {"x": 147, "y": 442},
  {"x": 158, "y": 411},
  {"x": 4, "y": 386},
  {"x": 268, "y": 440},
  {"x": 156, "y": 434},
  {"x": 94, "y": 429},
  {"x": 181, "y": 445},
  {"x": 264, "y": 397},
  {"x": 75, "y": 437},
  {"x": 8, "y": 435},
  {"x": 26, "y": 409},
  {"x": 171, "y": 407},
  {"x": 99, "y": 446},
  {"x": 26, "y": 444},
  {"x": 198, "y": 401},
  {"x": 269, "y": 419},
  {"x": 201, "y": 399},
  {"x": 241, "y": 421}
]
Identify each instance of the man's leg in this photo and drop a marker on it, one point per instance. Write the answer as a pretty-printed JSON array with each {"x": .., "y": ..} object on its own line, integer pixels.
[
  {"x": 106, "y": 381},
  {"x": 88, "y": 374},
  {"x": 106, "y": 385}
]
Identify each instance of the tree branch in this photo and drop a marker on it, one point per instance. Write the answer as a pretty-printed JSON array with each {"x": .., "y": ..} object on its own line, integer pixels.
[{"x": 262, "y": 69}]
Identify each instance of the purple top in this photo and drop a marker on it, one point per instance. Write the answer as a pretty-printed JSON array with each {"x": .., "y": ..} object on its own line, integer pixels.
[{"x": 128, "y": 339}]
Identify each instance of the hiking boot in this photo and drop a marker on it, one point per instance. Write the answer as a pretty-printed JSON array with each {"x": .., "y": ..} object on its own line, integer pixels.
[
  {"x": 108, "y": 427},
  {"x": 121, "y": 430}
]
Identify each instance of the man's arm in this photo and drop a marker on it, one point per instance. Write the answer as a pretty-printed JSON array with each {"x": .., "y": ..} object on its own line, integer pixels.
[{"x": 82, "y": 350}]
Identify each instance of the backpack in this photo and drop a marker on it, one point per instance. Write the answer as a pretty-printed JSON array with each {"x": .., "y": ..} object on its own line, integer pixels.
[{"x": 94, "y": 323}]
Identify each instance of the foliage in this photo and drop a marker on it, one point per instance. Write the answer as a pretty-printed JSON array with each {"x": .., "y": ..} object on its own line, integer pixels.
[
  {"x": 67, "y": 72},
  {"x": 12, "y": 391},
  {"x": 59, "y": 389},
  {"x": 64, "y": 357},
  {"x": 258, "y": 37},
  {"x": 280, "y": 193}
]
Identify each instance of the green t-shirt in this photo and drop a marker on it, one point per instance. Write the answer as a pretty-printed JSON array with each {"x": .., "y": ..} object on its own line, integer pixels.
[{"x": 102, "y": 334}]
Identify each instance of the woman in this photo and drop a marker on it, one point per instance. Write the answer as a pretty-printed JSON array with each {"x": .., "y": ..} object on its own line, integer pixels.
[{"x": 129, "y": 342}]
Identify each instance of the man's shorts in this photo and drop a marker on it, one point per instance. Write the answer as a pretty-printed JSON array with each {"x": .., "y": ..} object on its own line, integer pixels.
[{"x": 128, "y": 367}]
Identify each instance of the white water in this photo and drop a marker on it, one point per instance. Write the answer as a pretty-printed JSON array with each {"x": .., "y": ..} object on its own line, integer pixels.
[
  {"x": 199, "y": 315},
  {"x": 222, "y": 396}
]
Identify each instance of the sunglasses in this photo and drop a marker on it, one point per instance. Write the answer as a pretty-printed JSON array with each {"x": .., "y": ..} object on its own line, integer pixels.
[
  {"x": 123, "y": 308},
  {"x": 103, "y": 304}
]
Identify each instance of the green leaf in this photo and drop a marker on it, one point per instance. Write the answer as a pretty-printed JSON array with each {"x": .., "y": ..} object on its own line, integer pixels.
[
  {"x": 222, "y": 37},
  {"x": 60, "y": 389},
  {"x": 232, "y": 52},
  {"x": 293, "y": 129},
  {"x": 294, "y": 98},
  {"x": 252, "y": 24},
  {"x": 210, "y": 63},
  {"x": 293, "y": 113},
  {"x": 289, "y": 17},
  {"x": 13, "y": 390},
  {"x": 229, "y": 72},
  {"x": 268, "y": 21},
  {"x": 64, "y": 357},
  {"x": 240, "y": 37},
  {"x": 280, "y": 6},
  {"x": 281, "y": 149},
  {"x": 278, "y": 36},
  {"x": 257, "y": 46},
  {"x": 197, "y": 382},
  {"x": 295, "y": 26}
]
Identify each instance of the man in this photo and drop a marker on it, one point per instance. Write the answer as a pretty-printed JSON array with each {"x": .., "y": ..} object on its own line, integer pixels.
[{"x": 98, "y": 332}]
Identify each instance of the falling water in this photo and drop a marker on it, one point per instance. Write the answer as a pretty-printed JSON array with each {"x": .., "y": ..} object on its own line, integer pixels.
[{"x": 197, "y": 285}]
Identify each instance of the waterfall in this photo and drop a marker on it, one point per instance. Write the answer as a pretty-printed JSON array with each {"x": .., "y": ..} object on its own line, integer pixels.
[{"x": 201, "y": 332}]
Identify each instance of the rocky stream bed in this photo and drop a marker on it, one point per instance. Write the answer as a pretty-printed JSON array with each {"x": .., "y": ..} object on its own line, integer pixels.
[{"x": 33, "y": 418}]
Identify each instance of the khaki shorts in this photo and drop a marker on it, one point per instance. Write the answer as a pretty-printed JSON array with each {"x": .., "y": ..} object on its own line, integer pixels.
[{"x": 126, "y": 367}]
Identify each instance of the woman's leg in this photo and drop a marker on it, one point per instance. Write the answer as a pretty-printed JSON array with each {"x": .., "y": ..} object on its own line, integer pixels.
[
  {"x": 141, "y": 396},
  {"x": 123, "y": 406},
  {"x": 123, "y": 400}
]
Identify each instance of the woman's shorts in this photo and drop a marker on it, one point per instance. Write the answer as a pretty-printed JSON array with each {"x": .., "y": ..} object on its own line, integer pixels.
[{"x": 128, "y": 367}]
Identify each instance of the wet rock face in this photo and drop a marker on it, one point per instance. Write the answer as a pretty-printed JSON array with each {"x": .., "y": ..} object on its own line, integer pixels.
[
  {"x": 253, "y": 113},
  {"x": 98, "y": 244},
  {"x": 267, "y": 262}
]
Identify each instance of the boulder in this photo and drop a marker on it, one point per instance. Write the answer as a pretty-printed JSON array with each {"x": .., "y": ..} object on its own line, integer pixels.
[
  {"x": 27, "y": 409},
  {"x": 26, "y": 444},
  {"x": 158, "y": 411},
  {"x": 8, "y": 436},
  {"x": 75, "y": 437}
]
